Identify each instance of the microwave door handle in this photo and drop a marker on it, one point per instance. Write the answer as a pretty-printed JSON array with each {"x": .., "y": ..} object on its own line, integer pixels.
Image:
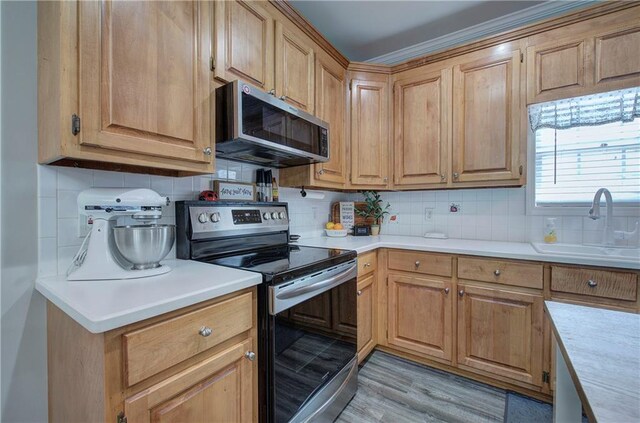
[{"x": 331, "y": 282}]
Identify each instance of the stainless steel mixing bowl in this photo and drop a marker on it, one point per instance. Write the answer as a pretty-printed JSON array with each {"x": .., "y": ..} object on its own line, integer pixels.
[{"x": 144, "y": 245}]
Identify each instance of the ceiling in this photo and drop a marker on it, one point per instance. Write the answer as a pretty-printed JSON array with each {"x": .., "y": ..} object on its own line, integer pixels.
[{"x": 362, "y": 30}]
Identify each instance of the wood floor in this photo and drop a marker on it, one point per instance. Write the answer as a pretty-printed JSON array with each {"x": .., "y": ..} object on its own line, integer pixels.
[{"x": 393, "y": 390}]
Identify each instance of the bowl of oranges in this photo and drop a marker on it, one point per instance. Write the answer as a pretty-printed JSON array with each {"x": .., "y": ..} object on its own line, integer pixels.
[{"x": 335, "y": 230}]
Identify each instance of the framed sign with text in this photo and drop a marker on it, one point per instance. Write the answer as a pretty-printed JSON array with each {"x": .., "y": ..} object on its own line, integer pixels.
[{"x": 240, "y": 191}]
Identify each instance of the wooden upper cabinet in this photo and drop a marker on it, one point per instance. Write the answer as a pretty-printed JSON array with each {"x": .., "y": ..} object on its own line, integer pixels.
[
  {"x": 486, "y": 119},
  {"x": 244, "y": 43},
  {"x": 617, "y": 58},
  {"x": 144, "y": 78},
  {"x": 369, "y": 133},
  {"x": 558, "y": 68},
  {"x": 500, "y": 332},
  {"x": 330, "y": 107},
  {"x": 219, "y": 388},
  {"x": 294, "y": 69},
  {"x": 590, "y": 59},
  {"x": 421, "y": 123},
  {"x": 420, "y": 315}
]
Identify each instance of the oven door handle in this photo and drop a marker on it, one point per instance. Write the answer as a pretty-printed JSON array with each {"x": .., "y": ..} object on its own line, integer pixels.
[{"x": 321, "y": 285}]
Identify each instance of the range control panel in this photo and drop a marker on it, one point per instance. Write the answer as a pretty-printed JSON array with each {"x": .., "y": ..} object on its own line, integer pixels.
[{"x": 232, "y": 219}]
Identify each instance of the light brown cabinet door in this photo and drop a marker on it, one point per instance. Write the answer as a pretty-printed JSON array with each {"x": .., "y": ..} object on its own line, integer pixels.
[
  {"x": 366, "y": 320},
  {"x": 295, "y": 69},
  {"x": 144, "y": 78},
  {"x": 330, "y": 107},
  {"x": 486, "y": 119},
  {"x": 500, "y": 333},
  {"x": 617, "y": 62},
  {"x": 315, "y": 313},
  {"x": 217, "y": 389},
  {"x": 421, "y": 122},
  {"x": 420, "y": 315},
  {"x": 557, "y": 69},
  {"x": 244, "y": 43},
  {"x": 344, "y": 314},
  {"x": 369, "y": 133}
]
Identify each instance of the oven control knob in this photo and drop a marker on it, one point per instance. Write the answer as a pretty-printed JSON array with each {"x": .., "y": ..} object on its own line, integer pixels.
[
  {"x": 274, "y": 215},
  {"x": 266, "y": 216},
  {"x": 215, "y": 217},
  {"x": 281, "y": 215},
  {"x": 202, "y": 218}
]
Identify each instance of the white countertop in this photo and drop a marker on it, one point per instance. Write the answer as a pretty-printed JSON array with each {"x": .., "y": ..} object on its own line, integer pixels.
[
  {"x": 511, "y": 250},
  {"x": 100, "y": 306},
  {"x": 602, "y": 351}
]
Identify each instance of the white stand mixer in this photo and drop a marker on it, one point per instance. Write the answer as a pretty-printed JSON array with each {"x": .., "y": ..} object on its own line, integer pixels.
[{"x": 102, "y": 260}]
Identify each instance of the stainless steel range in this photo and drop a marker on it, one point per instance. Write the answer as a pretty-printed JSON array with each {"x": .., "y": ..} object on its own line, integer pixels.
[{"x": 306, "y": 304}]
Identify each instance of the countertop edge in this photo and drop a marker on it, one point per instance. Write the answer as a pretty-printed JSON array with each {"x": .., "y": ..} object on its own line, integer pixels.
[
  {"x": 128, "y": 317},
  {"x": 532, "y": 256}
]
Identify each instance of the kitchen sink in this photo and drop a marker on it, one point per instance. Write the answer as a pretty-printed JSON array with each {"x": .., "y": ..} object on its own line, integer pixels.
[{"x": 618, "y": 253}]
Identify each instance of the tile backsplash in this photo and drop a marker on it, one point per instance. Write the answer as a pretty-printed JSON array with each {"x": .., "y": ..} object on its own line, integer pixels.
[
  {"x": 58, "y": 189},
  {"x": 497, "y": 214}
]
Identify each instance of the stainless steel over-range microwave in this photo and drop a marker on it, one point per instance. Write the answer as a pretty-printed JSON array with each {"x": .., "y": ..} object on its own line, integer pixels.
[{"x": 255, "y": 127}]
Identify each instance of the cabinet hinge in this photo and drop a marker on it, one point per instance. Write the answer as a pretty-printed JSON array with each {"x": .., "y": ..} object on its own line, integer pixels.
[
  {"x": 387, "y": 332},
  {"x": 121, "y": 418},
  {"x": 545, "y": 377},
  {"x": 350, "y": 85},
  {"x": 521, "y": 57},
  {"x": 212, "y": 63},
  {"x": 75, "y": 124},
  {"x": 520, "y": 170}
]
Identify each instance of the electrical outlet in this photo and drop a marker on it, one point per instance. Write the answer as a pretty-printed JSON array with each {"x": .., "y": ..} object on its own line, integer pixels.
[
  {"x": 84, "y": 225},
  {"x": 428, "y": 214}
]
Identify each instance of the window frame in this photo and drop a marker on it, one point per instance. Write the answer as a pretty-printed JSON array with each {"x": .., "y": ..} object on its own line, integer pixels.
[{"x": 620, "y": 209}]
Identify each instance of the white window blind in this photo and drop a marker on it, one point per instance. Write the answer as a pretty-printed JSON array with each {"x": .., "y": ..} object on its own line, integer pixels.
[{"x": 584, "y": 144}]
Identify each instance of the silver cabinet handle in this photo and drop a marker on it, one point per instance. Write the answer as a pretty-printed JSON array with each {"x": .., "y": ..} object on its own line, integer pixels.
[
  {"x": 367, "y": 265},
  {"x": 321, "y": 172},
  {"x": 283, "y": 97},
  {"x": 455, "y": 175},
  {"x": 592, "y": 283},
  {"x": 359, "y": 292},
  {"x": 461, "y": 292},
  {"x": 272, "y": 91},
  {"x": 385, "y": 179},
  {"x": 446, "y": 290},
  {"x": 443, "y": 177},
  {"x": 250, "y": 355},
  {"x": 207, "y": 151},
  {"x": 496, "y": 272},
  {"x": 417, "y": 263},
  {"x": 205, "y": 331}
]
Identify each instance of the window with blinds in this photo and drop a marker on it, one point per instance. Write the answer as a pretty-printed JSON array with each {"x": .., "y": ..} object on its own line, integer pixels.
[{"x": 584, "y": 144}]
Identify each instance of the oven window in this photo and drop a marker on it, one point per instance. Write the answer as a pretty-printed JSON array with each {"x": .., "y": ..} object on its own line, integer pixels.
[
  {"x": 314, "y": 340},
  {"x": 262, "y": 120}
]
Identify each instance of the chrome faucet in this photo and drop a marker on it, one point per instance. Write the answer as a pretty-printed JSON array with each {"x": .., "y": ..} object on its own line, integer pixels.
[{"x": 609, "y": 236}]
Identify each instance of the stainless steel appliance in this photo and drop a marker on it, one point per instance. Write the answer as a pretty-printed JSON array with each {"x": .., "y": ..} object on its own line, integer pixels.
[
  {"x": 255, "y": 127},
  {"x": 306, "y": 305}
]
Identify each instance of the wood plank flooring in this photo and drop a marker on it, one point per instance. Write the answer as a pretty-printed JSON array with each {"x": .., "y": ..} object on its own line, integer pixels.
[{"x": 393, "y": 390}]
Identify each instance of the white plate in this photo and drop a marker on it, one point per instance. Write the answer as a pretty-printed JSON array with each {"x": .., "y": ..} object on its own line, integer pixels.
[{"x": 336, "y": 233}]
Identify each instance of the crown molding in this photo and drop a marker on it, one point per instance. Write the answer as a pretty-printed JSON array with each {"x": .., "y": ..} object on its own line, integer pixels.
[{"x": 494, "y": 26}]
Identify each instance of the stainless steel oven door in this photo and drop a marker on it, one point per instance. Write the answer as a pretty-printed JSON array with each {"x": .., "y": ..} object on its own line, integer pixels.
[{"x": 314, "y": 343}]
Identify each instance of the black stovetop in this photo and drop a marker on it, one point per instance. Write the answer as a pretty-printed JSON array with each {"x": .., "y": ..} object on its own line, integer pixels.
[{"x": 285, "y": 262}]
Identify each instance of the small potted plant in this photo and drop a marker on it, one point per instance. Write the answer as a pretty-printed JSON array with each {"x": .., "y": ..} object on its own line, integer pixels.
[{"x": 373, "y": 209}]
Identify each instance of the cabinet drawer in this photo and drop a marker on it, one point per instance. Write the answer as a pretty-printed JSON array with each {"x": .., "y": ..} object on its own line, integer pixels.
[
  {"x": 367, "y": 263},
  {"x": 527, "y": 275},
  {"x": 427, "y": 263},
  {"x": 596, "y": 283},
  {"x": 150, "y": 350}
]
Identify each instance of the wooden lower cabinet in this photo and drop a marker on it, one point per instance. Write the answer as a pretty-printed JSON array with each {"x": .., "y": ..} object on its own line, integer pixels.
[
  {"x": 366, "y": 315},
  {"x": 218, "y": 389},
  {"x": 500, "y": 333},
  {"x": 419, "y": 315},
  {"x": 88, "y": 372}
]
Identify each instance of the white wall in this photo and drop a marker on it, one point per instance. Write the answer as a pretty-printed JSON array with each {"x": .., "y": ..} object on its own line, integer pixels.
[{"x": 24, "y": 374}]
